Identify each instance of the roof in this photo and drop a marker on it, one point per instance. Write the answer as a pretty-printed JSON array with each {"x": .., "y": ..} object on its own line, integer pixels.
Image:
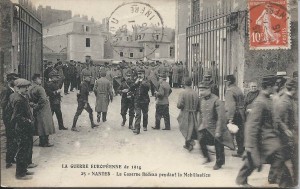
[
  {"x": 74, "y": 19},
  {"x": 132, "y": 44}
]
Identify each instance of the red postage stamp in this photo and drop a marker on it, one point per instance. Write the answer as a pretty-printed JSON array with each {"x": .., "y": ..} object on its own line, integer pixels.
[{"x": 269, "y": 24}]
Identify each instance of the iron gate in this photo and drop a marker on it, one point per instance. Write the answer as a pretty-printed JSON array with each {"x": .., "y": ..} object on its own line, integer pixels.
[
  {"x": 208, "y": 43},
  {"x": 30, "y": 39}
]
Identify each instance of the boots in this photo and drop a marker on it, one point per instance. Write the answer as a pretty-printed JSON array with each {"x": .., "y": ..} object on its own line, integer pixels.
[
  {"x": 98, "y": 117},
  {"x": 74, "y": 124},
  {"x": 130, "y": 122},
  {"x": 104, "y": 116},
  {"x": 92, "y": 121},
  {"x": 44, "y": 141},
  {"x": 124, "y": 120}
]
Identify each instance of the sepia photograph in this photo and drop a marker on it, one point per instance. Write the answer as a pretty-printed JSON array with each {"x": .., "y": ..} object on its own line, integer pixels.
[{"x": 149, "y": 93}]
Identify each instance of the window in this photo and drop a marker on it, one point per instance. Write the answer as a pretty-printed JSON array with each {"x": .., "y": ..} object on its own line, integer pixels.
[
  {"x": 156, "y": 46},
  {"x": 131, "y": 55},
  {"x": 121, "y": 54},
  {"x": 141, "y": 50},
  {"x": 87, "y": 28},
  {"x": 88, "y": 42},
  {"x": 157, "y": 37},
  {"x": 140, "y": 37}
]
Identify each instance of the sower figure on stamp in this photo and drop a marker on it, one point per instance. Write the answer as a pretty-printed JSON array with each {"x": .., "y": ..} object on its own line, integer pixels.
[
  {"x": 54, "y": 93},
  {"x": 212, "y": 129},
  {"x": 141, "y": 101},
  {"x": 162, "y": 103},
  {"x": 103, "y": 92},
  {"x": 22, "y": 120},
  {"x": 127, "y": 101},
  {"x": 43, "y": 123},
  {"x": 11, "y": 145},
  {"x": 234, "y": 106},
  {"x": 262, "y": 142},
  {"x": 188, "y": 102},
  {"x": 83, "y": 102}
]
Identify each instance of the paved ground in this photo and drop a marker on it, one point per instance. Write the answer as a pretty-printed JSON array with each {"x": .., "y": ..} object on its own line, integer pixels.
[{"x": 154, "y": 151}]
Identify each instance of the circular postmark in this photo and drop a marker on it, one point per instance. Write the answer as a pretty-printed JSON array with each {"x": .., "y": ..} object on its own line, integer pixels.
[{"x": 135, "y": 30}]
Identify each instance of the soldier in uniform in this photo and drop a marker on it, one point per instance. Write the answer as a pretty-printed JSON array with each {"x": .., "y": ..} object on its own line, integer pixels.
[
  {"x": 208, "y": 77},
  {"x": 262, "y": 142},
  {"x": 285, "y": 117},
  {"x": 162, "y": 103},
  {"x": 83, "y": 102},
  {"x": 212, "y": 129},
  {"x": 11, "y": 145},
  {"x": 68, "y": 77},
  {"x": 54, "y": 93},
  {"x": 103, "y": 93},
  {"x": 78, "y": 73},
  {"x": 127, "y": 101},
  {"x": 73, "y": 75},
  {"x": 234, "y": 106},
  {"x": 117, "y": 77},
  {"x": 22, "y": 121},
  {"x": 141, "y": 101},
  {"x": 188, "y": 102},
  {"x": 43, "y": 123}
]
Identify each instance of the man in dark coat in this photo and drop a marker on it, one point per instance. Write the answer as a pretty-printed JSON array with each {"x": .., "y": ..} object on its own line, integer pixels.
[
  {"x": 286, "y": 113},
  {"x": 83, "y": 102},
  {"x": 73, "y": 74},
  {"x": 212, "y": 129},
  {"x": 11, "y": 145},
  {"x": 188, "y": 103},
  {"x": 54, "y": 93},
  {"x": 162, "y": 102},
  {"x": 262, "y": 142},
  {"x": 234, "y": 107},
  {"x": 250, "y": 97},
  {"x": 127, "y": 101},
  {"x": 141, "y": 101},
  {"x": 214, "y": 87},
  {"x": 22, "y": 121},
  {"x": 68, "y": 76}
]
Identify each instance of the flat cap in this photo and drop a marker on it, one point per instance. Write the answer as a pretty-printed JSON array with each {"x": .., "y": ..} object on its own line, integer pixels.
[
  {"x": 163, "y": 75},
  {"x": 21, "y": 82},
  {"x": 53, "y": 73},
  {"x": 269, "y": 80},
  {"x": 295, "y": 74},
  {"x": 230, "y": 78},
  {"x": 11, "y": 76}
]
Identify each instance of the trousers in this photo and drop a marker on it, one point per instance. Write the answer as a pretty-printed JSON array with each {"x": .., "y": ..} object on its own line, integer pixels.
[
  {"x": 162, "y": 110},
  {"x": 140, "y": 108},
  {"x": 56, "y": 108}
]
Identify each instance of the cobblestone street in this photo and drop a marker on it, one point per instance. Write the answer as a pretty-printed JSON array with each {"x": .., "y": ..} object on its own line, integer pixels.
[{"x": 154, "y": 151}]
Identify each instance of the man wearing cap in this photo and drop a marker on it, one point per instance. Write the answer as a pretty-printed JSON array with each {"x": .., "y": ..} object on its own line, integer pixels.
[
  {"x": 87, "y": 72},
  {"x": 234, "y": 107},
  {"x": 78, "y": 73},
  {"x": 188, "y": 103},
  {"x": 83, "y": 102},
  {"x": 48, "y": 69},
  {"x": 180, "y": 73},
  {"x": 127, "y": 101},
  {"x": 212, "y": 125},
  {"x": 22, "y": 122},
  {"x": 103, "y": 93},
  {"x": 7, "y": 110},
  {"x": 281, "y": 78},
  {"x": 73, "y": 73},
  {"x": 162, "y": 103},
  {"x": 286, "y": 113},
  {"x": 54, "y": 93},
  {"x": 175, "y": 76},
  {"x": 117, "y": 77},
  {"x": 59, "y": 68},
  {"x": 43, "y": 123},
  {"x": 208, "y": 77},
  {"x": 141, "y": 101},
  {"x": 262, "y": 142},
  {"x": 68, "y": 76}
]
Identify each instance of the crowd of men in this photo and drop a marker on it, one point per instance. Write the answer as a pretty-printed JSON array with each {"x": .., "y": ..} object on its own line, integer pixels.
[{"x": 265, "y": 121}]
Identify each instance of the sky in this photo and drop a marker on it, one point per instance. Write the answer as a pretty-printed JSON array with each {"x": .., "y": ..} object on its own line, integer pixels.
[{"x": 99, "y": 9}]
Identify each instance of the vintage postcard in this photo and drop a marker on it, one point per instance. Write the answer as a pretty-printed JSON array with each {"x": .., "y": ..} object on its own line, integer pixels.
[{"x": 149, "y": 93}]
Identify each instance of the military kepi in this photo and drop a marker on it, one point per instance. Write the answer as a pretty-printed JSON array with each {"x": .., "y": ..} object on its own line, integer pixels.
[
  {"x": 204, "y": 85},
  {"x": 269, "y": 80},
  {"x": 11, "y": 76}
]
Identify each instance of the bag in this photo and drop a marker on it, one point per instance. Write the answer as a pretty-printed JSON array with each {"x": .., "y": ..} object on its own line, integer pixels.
[{"x": 232, "y": 128}]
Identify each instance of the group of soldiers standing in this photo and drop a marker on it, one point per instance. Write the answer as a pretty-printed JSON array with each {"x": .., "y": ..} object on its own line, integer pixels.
[{"x": 266, "y": 119}]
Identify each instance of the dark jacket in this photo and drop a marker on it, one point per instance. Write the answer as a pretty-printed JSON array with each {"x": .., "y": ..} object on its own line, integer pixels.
[
  {"x": 141, "y": 90},
  {"x": 22, "y": 118},
  {"x": 249, "y": 99},
  {"x": 212, "y": 118},
  {"x": 261, "y": 134},
  {"x": 5, "y": 105},
  {"x": 285, "y": 114},
  {"x": 164, "y": 90},
  {"x": 234, "y": 103},
  {"x": 83, "y": 95},
  {"x": 127, "y": 85},
  {"x": 51, "y": 88}
]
